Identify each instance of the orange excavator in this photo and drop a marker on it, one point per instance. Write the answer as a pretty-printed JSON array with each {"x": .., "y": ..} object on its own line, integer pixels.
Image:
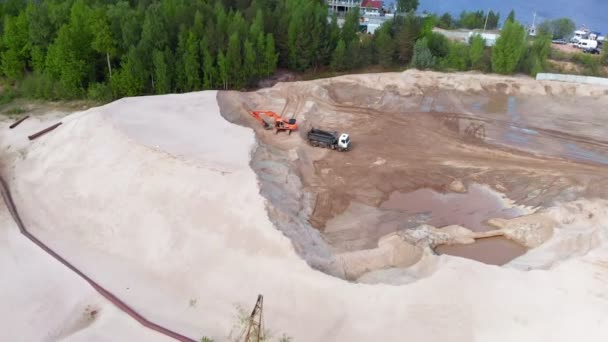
[{"x": 272, "y": 120}]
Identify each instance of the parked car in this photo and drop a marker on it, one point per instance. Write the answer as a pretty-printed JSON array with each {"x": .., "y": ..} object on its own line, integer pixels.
[
  {"x": 593, "y": 51},
  {"x": 560, "y": 41}
]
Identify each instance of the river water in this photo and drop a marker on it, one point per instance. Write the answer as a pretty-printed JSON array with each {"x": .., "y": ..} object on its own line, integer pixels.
[{"x": 591, "y": 13}]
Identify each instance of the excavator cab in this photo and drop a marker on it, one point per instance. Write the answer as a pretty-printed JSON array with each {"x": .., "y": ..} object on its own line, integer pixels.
[{"x": 285, "y": 125}]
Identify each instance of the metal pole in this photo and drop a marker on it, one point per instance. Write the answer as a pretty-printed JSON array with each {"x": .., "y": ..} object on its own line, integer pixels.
[
  {"x": 18, "y": 122},
  {"x": 261, "y": 299},
  {"x": 486, "y": 24},
  {"x": 43, "y": 132}
]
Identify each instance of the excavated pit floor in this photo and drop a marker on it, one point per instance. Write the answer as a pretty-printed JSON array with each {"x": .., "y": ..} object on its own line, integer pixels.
[
  {"x": 471, "y": 209},
  {"x": 428, "y": 155}
]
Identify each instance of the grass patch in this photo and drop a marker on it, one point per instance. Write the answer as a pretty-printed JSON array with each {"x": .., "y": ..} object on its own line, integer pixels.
[
  {"x": 15, "y": 112},
  {"x": 7, "y": 96}
]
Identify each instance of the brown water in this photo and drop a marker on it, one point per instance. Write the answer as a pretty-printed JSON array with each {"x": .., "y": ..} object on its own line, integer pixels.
[
  {"x": 492, "y": 251},
  {"x": 470, "y": 210}
]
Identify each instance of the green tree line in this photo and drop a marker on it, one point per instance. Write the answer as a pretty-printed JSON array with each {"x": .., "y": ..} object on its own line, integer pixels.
[
  {"x": 470, "y": 20},
  {"x": 104, "y": 49},
  {"x": 112, "y": 48},
  {"x": 561, "y": 28},
  {"x": 410, "y": 40}
]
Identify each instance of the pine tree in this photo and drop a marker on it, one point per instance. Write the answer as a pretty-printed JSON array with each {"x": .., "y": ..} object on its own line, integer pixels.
[
  {"x": 209, "y": 70},
  {"x": 351, "y": 25},
  {"x": 407, "y": 5},
  {"x": 257, "y": 26},
  {"x": 191, "y": 63},
  {"x": 338, "y": 58},
  {"x": 271, "y": 57},
  {"x": 407, "y": 34},
  {"x": 129, "y": 80},
  {"x": 334, "y": 33},
  {"x": 181, "y": 79},
  {"x": 385, "y": 46},
  {"x": 353, "y": 54},
  {"x": 250, "y": 68},
  {"x": 511, "y": 17},
  {"x": 476, "y": 52},
  {"x": 198, "y": 25},
  {"x": 509, "y": 48},
  {"x": 222, "y": 67},
  {"x": 103, "y": 42},
  {"x": 234, "y": 61},
  {"x": 41, "y": 31},
  {"x": 301, "y": 44},
  {"x": 260, "y": 48},
  {"x": 162, "y": 76},
  {"x": 422, "y": 58},
  {"x": 15, "y": 41}
]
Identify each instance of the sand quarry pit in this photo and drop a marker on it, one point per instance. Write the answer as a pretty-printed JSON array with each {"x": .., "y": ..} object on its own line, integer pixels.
[
  {"x": 429, "y": 149},
  {"x": 470, "y": 208}
]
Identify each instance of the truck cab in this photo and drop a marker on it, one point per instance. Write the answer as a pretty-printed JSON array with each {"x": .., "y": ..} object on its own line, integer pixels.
[{"x": 344, "y": 141}]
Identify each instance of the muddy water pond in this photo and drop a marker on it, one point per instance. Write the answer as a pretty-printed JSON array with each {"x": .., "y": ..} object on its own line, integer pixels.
[{"x": 471, "y": 210}]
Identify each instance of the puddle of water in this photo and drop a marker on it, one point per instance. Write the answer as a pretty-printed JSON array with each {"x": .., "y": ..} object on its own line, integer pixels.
[
  {"x": 578, "y": 153},
  {"x": 518, "y": 136},
  {"x": 512, "y": 109},
  {"x": 492, "y": 251},
  {"x": 427, "y": 104},
  {"x": 496, "y": 104},
  {"x": 471, "y": 210}
]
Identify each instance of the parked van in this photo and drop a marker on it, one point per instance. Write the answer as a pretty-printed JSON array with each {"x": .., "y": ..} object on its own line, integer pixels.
[{"x": 587, "y": 44}]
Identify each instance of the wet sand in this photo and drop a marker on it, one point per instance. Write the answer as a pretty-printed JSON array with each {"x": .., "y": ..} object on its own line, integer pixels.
[{"x": 470, "y": 210}]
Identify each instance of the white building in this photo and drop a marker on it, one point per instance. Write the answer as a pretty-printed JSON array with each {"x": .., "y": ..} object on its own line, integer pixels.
[
  {"x": 464, "y": 36},
  {"x": 341, "y": 7}
]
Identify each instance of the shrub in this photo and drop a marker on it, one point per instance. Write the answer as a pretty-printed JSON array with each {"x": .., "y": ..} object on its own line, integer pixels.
[
  {"x": 478, "y": 55},
  {"x": 458, "y": 57},
  {"x": 535, "y": 60},
  {"x": 7, "y": 96},
  {"x": 604, "y": 56},
  {"x": 559, "y": 55},
  {"x": 39, "y": 86},
  {"x": 509, "y": 48},
  {"x": 423, "y": 58},
  {"x": 99, "y": 92},
  {"x": 591, "y": 64},
  {"x": 438, "y": 44},
  {"x": 15, "y": 111}
]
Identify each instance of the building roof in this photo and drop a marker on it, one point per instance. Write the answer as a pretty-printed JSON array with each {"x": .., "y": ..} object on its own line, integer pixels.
[{"x": 372, "y": 4}]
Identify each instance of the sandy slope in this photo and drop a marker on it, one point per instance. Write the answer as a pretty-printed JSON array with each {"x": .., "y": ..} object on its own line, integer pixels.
[
  {"x": 43, "y": 301},
  {"x": 137, "y": 195}
]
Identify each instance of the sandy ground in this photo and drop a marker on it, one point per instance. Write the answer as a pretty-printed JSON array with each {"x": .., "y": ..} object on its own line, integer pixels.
[
  {"x": 37, "y": 291},
  {"x": 158, "y": 199}
]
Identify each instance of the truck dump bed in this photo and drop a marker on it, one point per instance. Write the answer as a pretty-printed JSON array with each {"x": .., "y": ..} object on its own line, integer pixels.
[{"x": 323, "y": 136}]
